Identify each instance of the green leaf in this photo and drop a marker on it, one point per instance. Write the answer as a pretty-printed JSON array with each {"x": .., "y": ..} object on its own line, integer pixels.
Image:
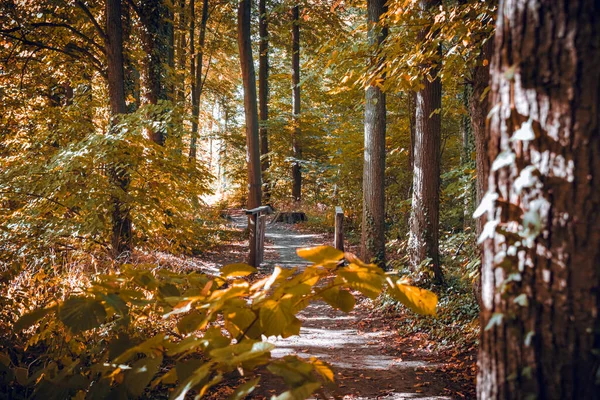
[
  {"x": 81, "y": 314},
  {"x": 274, "y": 317},
  {"x": 29, "y": 319},
  {"x": 340, "y": 299},
  {"x": 149, "y": 347},
  {"x": 214, "y": 339},
  {"x": 293, "y": 370},
  {"x": 141, "y": 374},
  {"x": 114, "y": 301},
  {"x": 169, "y": 290},
  {"x": 190, "y": 322},
  {"x": 22, "y": 376},
  {"x": 321, "y": 255},
  {"x": 244, "y": 390},
  {"x": 196, "y": 377},
  {"x": 300, "y": 393},
  {"x": 238, "y": 353},
  {"x": 238, "y": 319},
  {"x": 237, "y": 270},
  {"x": 419, "y": 300}
]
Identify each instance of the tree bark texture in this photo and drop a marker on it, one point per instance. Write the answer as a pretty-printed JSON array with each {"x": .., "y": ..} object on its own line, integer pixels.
[
  {"x": 296, "y": 145},
  {"x": 479, "y": 108},
  {"x": 541, "y": 257},
  {"x": 250, "y": 105},
  {"x": 424, "y": 222},
  {"x": 373, "y": 219},
  {"x": 180, "y": 51},
  {"x": 120, "y": 218},
  {"x": 155, "y": 36},
  {"x": 263, "y": 94},
  {"x": 196, "y": 73}
]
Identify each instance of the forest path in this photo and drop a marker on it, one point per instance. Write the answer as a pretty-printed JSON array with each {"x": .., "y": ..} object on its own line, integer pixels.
[{"x": 367, "y": 365}]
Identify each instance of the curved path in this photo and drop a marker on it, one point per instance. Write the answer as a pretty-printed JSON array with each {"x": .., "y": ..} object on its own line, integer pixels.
[{"x": 366, "y": 364}]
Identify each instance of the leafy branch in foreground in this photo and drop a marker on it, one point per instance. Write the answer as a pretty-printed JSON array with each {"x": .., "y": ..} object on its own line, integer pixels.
[{"x": 206, "y": 329}]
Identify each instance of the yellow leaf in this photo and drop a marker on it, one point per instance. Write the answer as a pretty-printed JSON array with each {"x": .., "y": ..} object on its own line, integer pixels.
[
  {"x": 421, "y": 301},
  {"x": 237, "y": 270},
  {"x": 323, "y": 369},
  {"x": 321, "y": 254}
]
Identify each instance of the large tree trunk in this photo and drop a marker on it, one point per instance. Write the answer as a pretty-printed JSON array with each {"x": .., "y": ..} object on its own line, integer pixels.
[
  {"x": 250, "y": 106},
  {"x": 540, "y": 273},
  {"x": 424, "y": 222},
  {"x": 120, "y": 218},
  {"x": 296, "y": 145},
  {"x": 196, "y": 73},
  {"x": 263, "y": 95},
  {"x": 373, "y": 219}
]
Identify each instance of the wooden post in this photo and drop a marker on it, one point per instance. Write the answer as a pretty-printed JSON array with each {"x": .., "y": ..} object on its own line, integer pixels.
[
  {"x": 262, "y": 227},
  {"x": 338, "y": 241},
  {"x": 257, "y": 224},
  {"x": 253, "y": 239}
]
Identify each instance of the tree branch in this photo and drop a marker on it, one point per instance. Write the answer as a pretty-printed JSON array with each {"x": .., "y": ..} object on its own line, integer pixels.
[
  {"x": 72, "y": 29},
  {"x": 135, "y": 8},
  {"x": 89, "y": 14}
]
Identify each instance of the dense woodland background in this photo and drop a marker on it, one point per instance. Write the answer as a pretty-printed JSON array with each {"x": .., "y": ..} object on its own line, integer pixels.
[{"x": 461, "y": 138}]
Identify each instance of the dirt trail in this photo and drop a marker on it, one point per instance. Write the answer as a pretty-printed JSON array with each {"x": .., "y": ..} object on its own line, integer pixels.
[{"x": 366, "y": 363}]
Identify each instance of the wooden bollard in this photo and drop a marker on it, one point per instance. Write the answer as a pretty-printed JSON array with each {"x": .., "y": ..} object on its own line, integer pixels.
[
  {"x": 257, "y": 221},
  {"x": 338, "y": 240}
]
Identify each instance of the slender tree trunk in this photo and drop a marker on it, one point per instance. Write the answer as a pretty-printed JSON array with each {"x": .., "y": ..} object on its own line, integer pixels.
[
  {"x": 373, "y": 219},
  {"x": 296, "y": 145},
  {"x": 181, "y": 53},
  {"x": 479, "y": 108},
  {"x": 155, "y": 37},
  {"x": 195, "y": 105},
  {"x": 263, "y": 95},
  {"x": 196, "y": 69},
  {"x": 250, "y": 106},
  {"x": 466, "y": 159},
  {"x": 424, "y": 223},
  {"x": 540, "y": 272},
  {"x": 120, "y": 218}
]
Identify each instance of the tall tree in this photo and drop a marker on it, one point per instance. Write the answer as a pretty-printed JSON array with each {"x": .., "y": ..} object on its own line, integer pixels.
[
  {"x": 250, "y": 106},
  {"x": 479, "y": 108},
  {"x": 540, "y": 275},
  {"x": 196, "y": 71},
  {"x": 373, "y": 222},
  {"x": 157, "y": 43},
  {"x": 120, "y": 217},
  {"x": 424, "y": 221},
  {"x": 263, "y": 93},
  {"x": 296, "y": 145}
]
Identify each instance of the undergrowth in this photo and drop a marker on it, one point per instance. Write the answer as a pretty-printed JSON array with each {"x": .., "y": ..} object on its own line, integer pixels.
[{"x": 457, "y": 324}]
